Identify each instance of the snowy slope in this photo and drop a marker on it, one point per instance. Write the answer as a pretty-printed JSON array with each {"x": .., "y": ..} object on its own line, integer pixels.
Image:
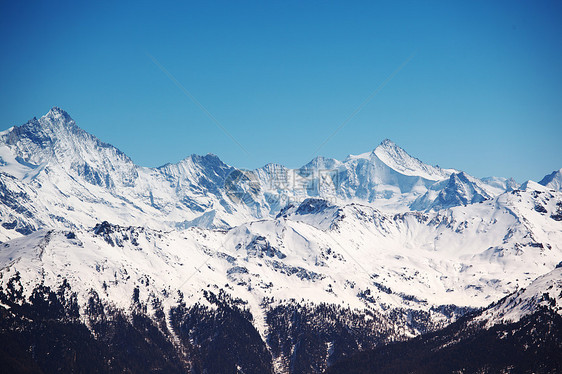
[
  {"x": 545, "y": 291},
  {"x": 400, "y": 161},
  {"x": 519, "y": 334},
  {"x": 553, "y": 180},
  {"x": 353, "y": 255},
  {"x": 504, "y": 184},
  {"x": 459, "y": 189}
]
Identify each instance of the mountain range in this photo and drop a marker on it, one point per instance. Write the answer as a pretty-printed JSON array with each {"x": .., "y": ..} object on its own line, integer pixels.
[{"x": 202, "y": 267}]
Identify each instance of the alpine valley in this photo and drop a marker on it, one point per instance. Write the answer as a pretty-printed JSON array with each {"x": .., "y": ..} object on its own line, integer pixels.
[{"x": 376, "y": 263}]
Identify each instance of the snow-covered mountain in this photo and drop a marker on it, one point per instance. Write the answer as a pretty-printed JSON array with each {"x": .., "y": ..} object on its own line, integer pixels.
[
  {"x": 544, "y": 292},
  {"x": 54, "y": 174},
  {"x": 412, "y": 272},
  {"x": 519, "y": 334},
  {"x": 458, "y": 189},
  {"x": 468, "y": 256},
  {"x": 553, "y": 180},
  {"x": 305, "y": 265}
]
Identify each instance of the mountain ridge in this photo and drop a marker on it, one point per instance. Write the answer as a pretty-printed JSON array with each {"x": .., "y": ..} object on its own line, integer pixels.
[{"x": 54, "y": 153}]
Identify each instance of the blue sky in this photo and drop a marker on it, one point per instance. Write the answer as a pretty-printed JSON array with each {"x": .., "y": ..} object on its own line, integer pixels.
[{"x": 481, "y": 92}]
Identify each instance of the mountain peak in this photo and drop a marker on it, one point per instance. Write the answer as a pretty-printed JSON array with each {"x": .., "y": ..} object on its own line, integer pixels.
[
  {"x": 55, "y": 120},
  {"x": 553, "y": 180},
  {"x": 391, "y": 147},
  {"x": 43, "y": 131},
  {"x": 398, "y": 159},
  {"x": 56, "y": 110},
  {"x": 58, "y": 113},
  {"x": 56, "y": 139},
  {"x": 388, "y": 143}
]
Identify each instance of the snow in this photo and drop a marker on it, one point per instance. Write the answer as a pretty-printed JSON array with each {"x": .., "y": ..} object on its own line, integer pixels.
[
  {"x": 458, "y": 256},
  {"x": 553, "y": 180},
  {"x": 545, "y": 291},
  {"x": 326, "y": 232},
  {"x": 72, "y": 179},
  {"x": 399, "y": 160}
]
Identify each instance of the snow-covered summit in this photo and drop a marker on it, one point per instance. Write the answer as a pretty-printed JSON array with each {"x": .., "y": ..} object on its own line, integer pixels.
[
  {"x": 553, "y": 180},
  {"x": 459, "y": 189},
  {"x": 399, "y": 160},
  {"x": 55, "y": 142}
]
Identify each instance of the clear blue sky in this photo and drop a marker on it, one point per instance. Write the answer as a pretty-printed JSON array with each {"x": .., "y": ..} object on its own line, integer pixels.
[{"x": 482, "y": 93}]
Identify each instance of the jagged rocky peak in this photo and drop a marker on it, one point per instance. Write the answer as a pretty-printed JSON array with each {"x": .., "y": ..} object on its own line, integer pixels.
[
  {"x": 461, "y": 190},
  {"x": 553, "y": 180},
  {"x": 209, "y": 158},
  {"x": 195, "y": 163},
  {"x": 389, "y": 146},
  {"x": 56, "y": 128},
  {"x": 52, "y": 123},
  {"x": 55, "y": 141},
  {"x": 208, "y": 170},
  {"x": 460, "y": 177},
  {"x": 42, "y": 131},
  {"x": 313, "y": 206},
  {"x": 57, "y": 112}
]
